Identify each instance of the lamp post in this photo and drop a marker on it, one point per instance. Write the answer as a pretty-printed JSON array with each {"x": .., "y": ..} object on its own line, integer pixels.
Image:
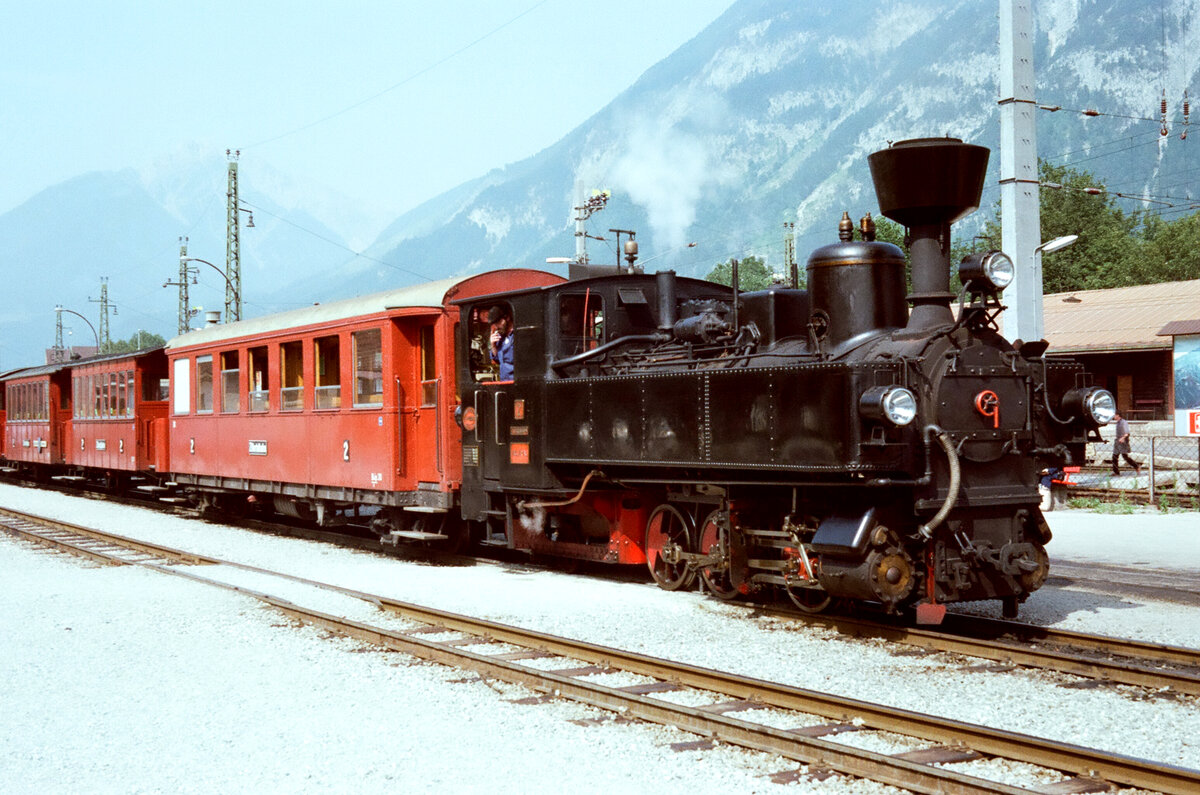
[
  {"x": 237, "y": 299},
  {"x": 60, "y": 310},
  {"x": 1037, "y": 327}
]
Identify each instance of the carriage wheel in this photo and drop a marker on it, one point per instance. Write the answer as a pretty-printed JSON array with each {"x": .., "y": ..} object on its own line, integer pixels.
[
  {"x": 714, "y": 536},
  {"x": 668, "y": 525}
]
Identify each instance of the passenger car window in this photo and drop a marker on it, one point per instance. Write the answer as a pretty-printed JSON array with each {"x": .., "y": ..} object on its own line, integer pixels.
[
  {"x": 259, "y": 381},
  {"x": 291, "y": 376},
  {"x": 368, "y": 367},
  {"x": 181, "y": 386},
  {"x": 204, "y": 384},
  {"x": 327, "y": 353},
  {"x": 229, "y": 382}
]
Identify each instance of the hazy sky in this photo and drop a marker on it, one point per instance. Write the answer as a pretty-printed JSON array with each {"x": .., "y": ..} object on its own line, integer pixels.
[{"x": 389, "y": 103}]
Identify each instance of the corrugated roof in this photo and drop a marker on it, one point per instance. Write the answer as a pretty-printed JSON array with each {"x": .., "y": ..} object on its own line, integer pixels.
[
  {"x": 1119, "y": 318},
  {"x": 1178, "y": 328}
]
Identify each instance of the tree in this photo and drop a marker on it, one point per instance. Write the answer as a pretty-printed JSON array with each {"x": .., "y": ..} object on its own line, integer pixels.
[
  {"x": 145, "y": 338},
  {"x": 1107, "y": 253},
  {"x": 1170, "y": 250},
  {"x": 753, "y": 274}
]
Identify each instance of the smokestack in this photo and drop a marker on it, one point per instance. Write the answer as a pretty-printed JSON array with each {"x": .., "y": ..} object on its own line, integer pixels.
[{"x": 927, "y": 184}]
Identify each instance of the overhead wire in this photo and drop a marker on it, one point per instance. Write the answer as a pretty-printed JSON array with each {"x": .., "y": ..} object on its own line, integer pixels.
[{"x": 420, "y": 72}]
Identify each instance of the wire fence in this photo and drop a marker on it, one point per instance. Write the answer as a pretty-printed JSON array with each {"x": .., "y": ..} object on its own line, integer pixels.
[{"x": 1164, "y": 465}]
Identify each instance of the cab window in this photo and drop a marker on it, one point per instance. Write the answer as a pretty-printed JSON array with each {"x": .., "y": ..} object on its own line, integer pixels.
[{"x": 580, "y": 323}]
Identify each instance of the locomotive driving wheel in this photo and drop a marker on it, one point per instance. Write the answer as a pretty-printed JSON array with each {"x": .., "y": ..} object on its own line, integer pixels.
[
  {"x": 669, "y": 532},
  {"x": 714, "y": 540}
]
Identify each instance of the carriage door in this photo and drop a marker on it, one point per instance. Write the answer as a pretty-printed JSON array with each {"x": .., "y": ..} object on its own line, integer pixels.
[{"x": 425, "y": 449}]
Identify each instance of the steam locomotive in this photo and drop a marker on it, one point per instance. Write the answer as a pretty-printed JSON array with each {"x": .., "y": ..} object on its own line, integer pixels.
[{"x": 827, "y": 443}]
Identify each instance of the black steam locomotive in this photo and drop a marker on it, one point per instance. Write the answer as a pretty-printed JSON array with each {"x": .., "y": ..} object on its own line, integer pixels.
[{"x": 827, "y": 443}]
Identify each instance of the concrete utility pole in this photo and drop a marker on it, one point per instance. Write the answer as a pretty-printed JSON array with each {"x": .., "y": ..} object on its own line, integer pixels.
[
  {"x": 233, "y": 249},
  {"x": 1019, "y": 207},
  {"x": 789, "y": 255}
]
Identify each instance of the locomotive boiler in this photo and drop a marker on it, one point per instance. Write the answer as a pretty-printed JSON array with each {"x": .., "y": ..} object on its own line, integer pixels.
[{"x": 853, "y": 440}]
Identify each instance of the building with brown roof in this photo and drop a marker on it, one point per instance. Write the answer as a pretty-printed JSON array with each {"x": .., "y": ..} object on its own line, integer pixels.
[{"x": 1115, "y": 334}]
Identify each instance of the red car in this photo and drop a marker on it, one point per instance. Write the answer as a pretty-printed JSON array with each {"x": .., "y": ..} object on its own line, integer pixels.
[
  {"x": 37, "y": 418},
  {"x": 101, "y": 419},
  {"x": 119, "y": 416},
  {"x": 331, "y": 407}
]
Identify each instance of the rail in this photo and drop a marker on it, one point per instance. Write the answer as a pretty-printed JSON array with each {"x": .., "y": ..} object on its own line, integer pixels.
[{"x": 917, "y": 770}]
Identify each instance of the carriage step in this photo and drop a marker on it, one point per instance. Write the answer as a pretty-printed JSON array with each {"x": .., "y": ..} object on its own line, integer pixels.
[
  {"x": 69, "y": 478},
  {"x": 412, "y": 535},
  {"x": 173, "y": 499},
  {"x": 152, "y": 489}
]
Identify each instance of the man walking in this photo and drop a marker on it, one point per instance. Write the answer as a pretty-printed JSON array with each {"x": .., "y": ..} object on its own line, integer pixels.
[{"x": 1121, "y": 446}]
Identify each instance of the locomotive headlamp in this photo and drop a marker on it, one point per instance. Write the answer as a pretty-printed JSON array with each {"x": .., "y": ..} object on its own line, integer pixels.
[
  {"x": 1097, "y": 406},
  {"x": 895, "y": 404},
  {"x": 1100, "y": 406},
  {"x": 989, "y": 271}
]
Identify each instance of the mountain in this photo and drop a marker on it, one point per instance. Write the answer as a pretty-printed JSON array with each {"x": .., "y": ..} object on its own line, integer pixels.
[
  {"x": 125, "y": 225},
  {"x": 766, "y": 117}
]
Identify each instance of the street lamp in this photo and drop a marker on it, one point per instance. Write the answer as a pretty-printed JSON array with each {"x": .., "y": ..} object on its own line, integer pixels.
[
  {"x": 85, "y": 320},
  {"x": 1049, "y": 247},
  {"x": 237, "y": 300}
]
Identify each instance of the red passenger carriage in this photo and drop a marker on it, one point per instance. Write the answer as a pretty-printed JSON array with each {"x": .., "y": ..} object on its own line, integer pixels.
[
  {"x": 101, "y": 418},
  {"x": 37, "y": 417},
  {"x": 330, "y": 407},
  {"x": 119, "y": 415}
]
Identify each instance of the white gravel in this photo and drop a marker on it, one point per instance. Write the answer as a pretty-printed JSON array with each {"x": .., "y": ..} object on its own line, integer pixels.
[{"x": 122, "y": 679}]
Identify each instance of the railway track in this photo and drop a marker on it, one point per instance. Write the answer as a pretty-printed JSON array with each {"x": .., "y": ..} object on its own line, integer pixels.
[
  {"x": 1103, "y": 659},
  {"x": 795, "y": 723}
]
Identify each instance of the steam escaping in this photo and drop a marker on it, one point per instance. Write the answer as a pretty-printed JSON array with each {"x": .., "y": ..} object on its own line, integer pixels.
[
  {"x": 669, "y": 170},
  {"x": 532, "y": 521}
]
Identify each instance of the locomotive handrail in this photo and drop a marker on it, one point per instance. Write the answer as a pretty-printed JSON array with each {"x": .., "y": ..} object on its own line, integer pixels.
[
  {"x": 1046, "y": 400},
  {"x": 608, "y": 346}
]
